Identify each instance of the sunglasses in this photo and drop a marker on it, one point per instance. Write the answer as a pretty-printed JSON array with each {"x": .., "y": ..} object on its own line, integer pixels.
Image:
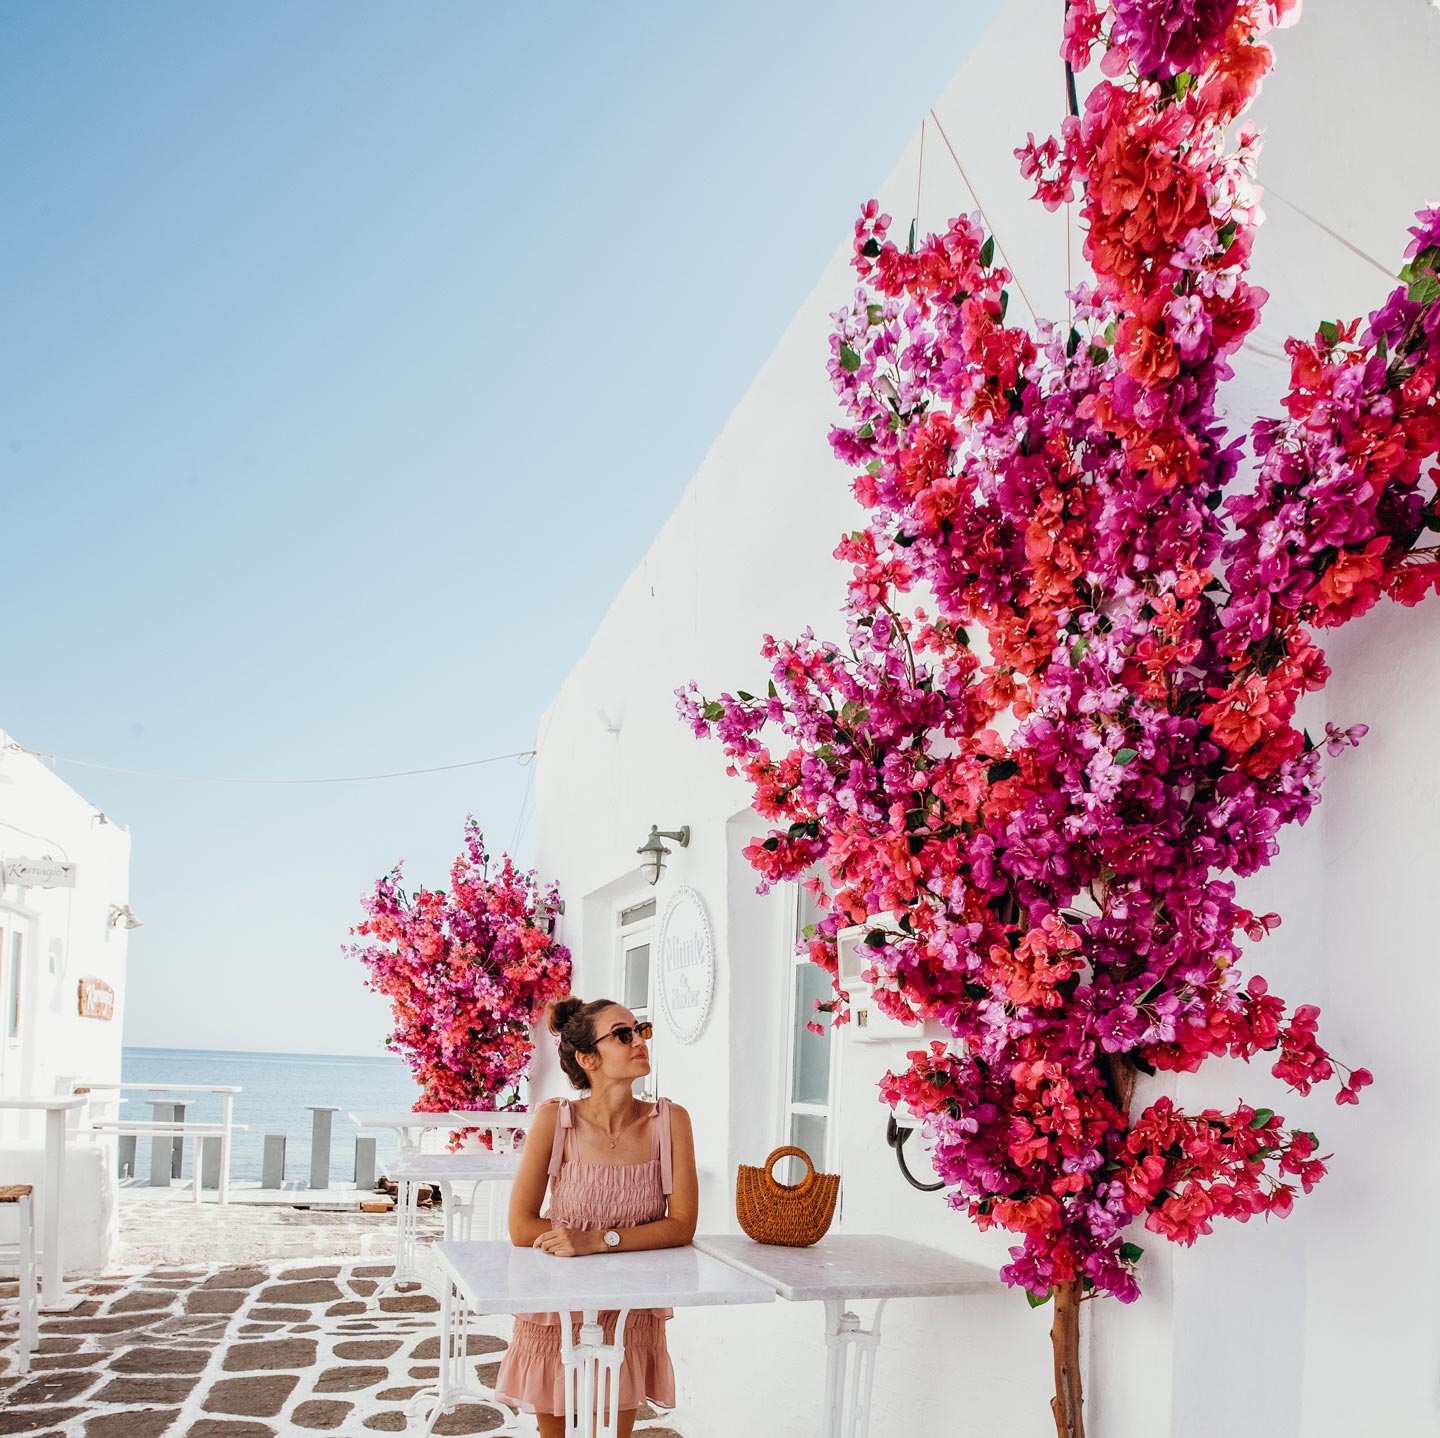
[{"x": 627, "y": 1035}]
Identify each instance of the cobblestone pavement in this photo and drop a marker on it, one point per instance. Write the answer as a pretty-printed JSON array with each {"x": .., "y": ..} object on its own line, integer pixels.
[{"x": 240, "y": 1351}]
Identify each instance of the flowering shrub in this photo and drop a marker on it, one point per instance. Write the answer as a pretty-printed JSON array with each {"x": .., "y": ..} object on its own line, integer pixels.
[
  {"x": 467, "y": 973},
  {"x": 1053, "y": 812}
]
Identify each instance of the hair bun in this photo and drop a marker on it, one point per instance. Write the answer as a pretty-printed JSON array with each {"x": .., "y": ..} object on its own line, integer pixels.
[{"x": 563, "y": 1012}]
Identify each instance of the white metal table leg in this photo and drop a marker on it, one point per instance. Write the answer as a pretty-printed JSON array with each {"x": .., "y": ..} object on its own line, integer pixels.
[
  {"x": 457, "y": 1381},
  {"x": 592, "y": 1374},
  {"x": 53, "y": 1298},
  {"x": 849, "y": 1370},
  {"x": 407, "y": 1245},
  {"x": 227, "y": 1103}
]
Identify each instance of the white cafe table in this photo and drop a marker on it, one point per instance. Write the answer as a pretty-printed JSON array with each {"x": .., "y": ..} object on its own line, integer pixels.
[
  {"x": 839, "y": 1270},
  {"x": 480, "y": 1168},
  {"x": 496, "y": 1277},
  {"x": 53, "y": 1298}
]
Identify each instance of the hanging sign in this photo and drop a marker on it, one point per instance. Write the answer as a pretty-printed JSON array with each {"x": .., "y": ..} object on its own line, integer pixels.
[
  {"x": 97, "y": 999},
  {"x": 40, "y": 873},
  {"x": 687, "y": 964}
]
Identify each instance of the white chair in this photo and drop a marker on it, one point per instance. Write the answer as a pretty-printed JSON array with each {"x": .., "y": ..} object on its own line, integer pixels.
[{"x": 20, "y": 1197}]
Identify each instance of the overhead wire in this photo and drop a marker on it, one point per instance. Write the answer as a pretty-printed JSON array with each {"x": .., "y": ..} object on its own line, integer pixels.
[
  {"x": 990, "y": 227},
  {"x": 523, "y": 755}
]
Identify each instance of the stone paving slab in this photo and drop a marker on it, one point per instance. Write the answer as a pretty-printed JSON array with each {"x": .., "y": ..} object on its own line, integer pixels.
[{"x": 280, "y": 1350}]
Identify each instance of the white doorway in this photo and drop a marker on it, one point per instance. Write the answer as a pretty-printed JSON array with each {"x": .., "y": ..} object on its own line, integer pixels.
[{"x": 15, "y": 978}]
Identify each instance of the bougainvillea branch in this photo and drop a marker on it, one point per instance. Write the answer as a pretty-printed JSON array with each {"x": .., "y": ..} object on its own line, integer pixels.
[
  {"x": 468, "y": 972},
  {"x": 1081, "y": 616}
]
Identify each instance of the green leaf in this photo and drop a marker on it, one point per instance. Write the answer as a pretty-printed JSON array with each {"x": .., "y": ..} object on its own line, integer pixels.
[
  {"x": 1038, "y": 1302},
  {"x": 871, "y": 248},
  {"x": 1004, "y": 302},
  {"x": 849, "y": 360},
  {"x": 772, "y": 691},
  {"x": 910, "y": 250},
  {"x": 1072, "y": 343},
  {"x": 1330, "y": 332},
  {"x": 772, "y": 843},
  {"x": 1110, "y": 333},
  {"x": 1002, "y": 769},
  {"x": 873, "y": 467},
  {"x": 875, "y": 939},
  {"x": 874, "y": 313},
  {"x": 1262, "y": 1117},
  {"x": 987, "y": 252},
  {"x": 1228, "y": 231},
  {"x": 1131, "y": 1252},
  {"x": 1078, "y": 649},
  {"x": 1183, "y": 82},
  {"x": 1126, "y": 756},
  {"x": 1098, "y": 354},
  {"x": 714, "y": 710},
  {"x": 866, "y": 431},
  {"x": 1424, "y": 289}
]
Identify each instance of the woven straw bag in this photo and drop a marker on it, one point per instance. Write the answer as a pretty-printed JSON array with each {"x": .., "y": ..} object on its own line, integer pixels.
[{"x": 793, "y": 1214}]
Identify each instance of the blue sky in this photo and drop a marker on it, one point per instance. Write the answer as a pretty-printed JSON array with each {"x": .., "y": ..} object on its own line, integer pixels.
[{"x": 353, "y": 354}]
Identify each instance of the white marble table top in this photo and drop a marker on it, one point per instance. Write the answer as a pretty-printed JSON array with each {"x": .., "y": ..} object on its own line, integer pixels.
[
  {"x": 852, "y": 1265},
  {"x": 496, "y": 1277},
  {"x": 453, "y": 1167},
  {"x": 477, "y": 1118}
]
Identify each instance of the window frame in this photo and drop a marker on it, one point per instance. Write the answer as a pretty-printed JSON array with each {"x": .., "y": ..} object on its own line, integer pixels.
[
  {"x": 626, "y": 934},
  {"x": 829, "y": 1161}
]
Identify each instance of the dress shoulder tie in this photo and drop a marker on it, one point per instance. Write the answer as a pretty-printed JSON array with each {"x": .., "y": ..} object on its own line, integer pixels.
[
  {"x": 662, "y": 1145},
  {"x": 564, "y": 1121}
]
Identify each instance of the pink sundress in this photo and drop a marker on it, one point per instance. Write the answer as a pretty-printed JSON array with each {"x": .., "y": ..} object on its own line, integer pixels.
[{"x": 596, "y": 1196}]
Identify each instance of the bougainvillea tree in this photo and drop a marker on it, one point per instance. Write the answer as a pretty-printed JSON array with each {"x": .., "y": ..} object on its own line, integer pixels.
[
  {"x": 1081, "y": 616},
  {"x": 468, "y": 972}
]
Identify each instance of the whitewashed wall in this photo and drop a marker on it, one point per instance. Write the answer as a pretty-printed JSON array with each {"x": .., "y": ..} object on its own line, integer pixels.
[
  {"x": 67, "y": 936},
  {"x": 1319, "y": 1325}
]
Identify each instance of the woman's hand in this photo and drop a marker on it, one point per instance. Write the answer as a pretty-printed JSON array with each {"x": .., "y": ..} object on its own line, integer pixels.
[{"x": 569, "y": 1242}]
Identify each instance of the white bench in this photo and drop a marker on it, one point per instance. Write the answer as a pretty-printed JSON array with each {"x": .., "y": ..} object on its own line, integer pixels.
[{"x": 224, "y": 1130}]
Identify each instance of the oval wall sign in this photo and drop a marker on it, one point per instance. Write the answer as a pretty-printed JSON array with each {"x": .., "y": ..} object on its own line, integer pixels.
[{"x": 687, "y": 964}]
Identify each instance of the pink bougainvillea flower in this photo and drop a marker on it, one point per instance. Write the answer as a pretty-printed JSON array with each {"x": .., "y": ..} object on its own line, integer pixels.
[{"x": 1037, "y": 832}]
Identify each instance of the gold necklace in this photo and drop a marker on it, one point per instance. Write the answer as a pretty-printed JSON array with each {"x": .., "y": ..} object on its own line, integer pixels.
[{"x": 619, "y": 1133}]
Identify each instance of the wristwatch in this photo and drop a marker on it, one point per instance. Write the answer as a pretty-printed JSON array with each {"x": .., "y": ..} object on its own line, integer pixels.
[{"x": 612, "y": 1238}]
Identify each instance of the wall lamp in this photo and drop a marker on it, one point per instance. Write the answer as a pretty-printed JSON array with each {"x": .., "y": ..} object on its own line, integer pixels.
[
  {"x": 123, "y": 913},
  {"x": 653, "y": 851}
]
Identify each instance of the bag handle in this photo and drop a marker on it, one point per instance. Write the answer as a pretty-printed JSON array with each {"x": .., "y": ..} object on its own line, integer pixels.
[{"x": 789, "y": 1152}]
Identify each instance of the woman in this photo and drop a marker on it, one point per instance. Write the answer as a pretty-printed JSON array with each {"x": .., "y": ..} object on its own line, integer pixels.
[{"x": 621, "y": 1175}]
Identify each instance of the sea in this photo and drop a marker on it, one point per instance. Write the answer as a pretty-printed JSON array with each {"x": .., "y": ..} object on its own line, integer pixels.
[{"x": 274, "y": 1090}]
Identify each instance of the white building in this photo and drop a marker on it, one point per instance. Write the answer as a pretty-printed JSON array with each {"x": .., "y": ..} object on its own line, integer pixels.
[
  {"x": 1319, "y": 1325},
  {"x": 63, "y": 939}
]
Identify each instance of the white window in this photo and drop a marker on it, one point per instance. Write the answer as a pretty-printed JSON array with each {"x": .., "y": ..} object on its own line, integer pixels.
[
  {"x": 635, "y": 983},
  {"x": 12, "y": 1007},
  {"x": 811, "y": 1058}
]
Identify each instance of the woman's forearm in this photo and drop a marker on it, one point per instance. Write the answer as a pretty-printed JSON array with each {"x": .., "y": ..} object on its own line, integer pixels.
[
  {"x": 526, "y": 1228},
  {"x": 663, "y": 1233}
]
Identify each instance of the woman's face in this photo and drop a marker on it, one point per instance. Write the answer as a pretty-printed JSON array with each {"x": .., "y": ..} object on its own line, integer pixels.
[{"x": 621, "y": 1063}]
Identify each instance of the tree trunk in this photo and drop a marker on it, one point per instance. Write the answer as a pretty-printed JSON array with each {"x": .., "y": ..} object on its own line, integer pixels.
[{"x": 1065, "y": 1341}]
